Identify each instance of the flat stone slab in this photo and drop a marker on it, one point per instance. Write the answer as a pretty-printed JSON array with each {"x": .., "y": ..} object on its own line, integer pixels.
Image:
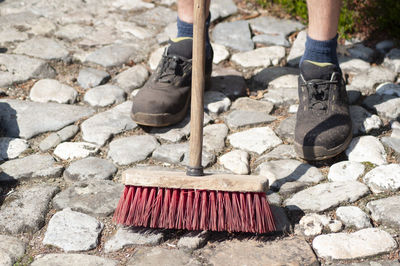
[
  {"x": 297, "y": 50},
  {"x": 11, "y": 249},
  {"x": 128, "y": 236},
  {"x": 363, "y": 121},
  {"x": 392, "y": 60},
  {"x": 161, "y": 256},
  {"x": 44, "y": 48},
  {"x": 283, "y": 90},
  {"x": 256, "y": 140},
  {"x": 156, "y": 17},
  {"x": 239, "y": 118},
  {"x": 91, "y": 168},
  {"x": 386, "y": 106},
  {"x": 281, "y": 171},
  {"x": 193, "y": 240},
  {"x": 214, "y": 137},
  {"x": 261, "y": 80},
  {"x": 170, "y": 153},
  {"x": 25, "y": 211},
  {"x": 364, "y": 243},
  {"x": 133, "y": 149},
  {"x": 283, "y": 151},
  {"x": 72, "y": 259},
  {"x": 247, "y": 104},
  {"x": 56, "y": 138},
  {"x": 220, "y": 53},
  {"x": 104, "y": 95},
  {"x": 384, "y": 178},
  {"x": 386, "y": 211},
  {"x": 32, "y": 166},
  {"x": 260, "y": 57},
  {"x": 346, "y": 171},
  {"x": 236, "y": 161},
  {"x": 366, "y": 149},
  {"x": 222, "y": 9},
  {"x": 235, "y": 35},
  {"x": 286, "y": 129},
  {"x": 72, "y": 231},
  {"x": 271, "y": 39},
  {"x": 326, "y": 196},
  {"x": 51, "y": 90},
  {"x": 97, "y": 198},
  {"x": 102, "y": 126},
  {"x": 392, "y": 142},
  {"x": 75, "y": 150},
  {"x": 92, "y": 77},
  {"x": 216, "y": 102},
  {"x": 313, "y": 224},
  {"x": 251, "y": 252},
  {"x": 11, "y": 148},
  {"x": 353, "y": 65},
  {"x": 274, "y": 26},
  {"x": 366, "y": 82},
  {"x": 132, "y": 5},
  {"x": 353, "y": 216},
  {"x": 132, "y": 78},
  {"x": 27, "y": 119}
]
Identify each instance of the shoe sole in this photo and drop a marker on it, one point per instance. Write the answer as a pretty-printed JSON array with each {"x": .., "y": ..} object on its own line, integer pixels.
[{"x": 319, "y": 153}]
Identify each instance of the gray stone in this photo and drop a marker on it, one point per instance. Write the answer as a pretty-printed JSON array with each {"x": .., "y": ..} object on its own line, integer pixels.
[
  {"x": 11, "y": 148},
  {"x": 12, "y": 248},
  {"x": 392, "y": 60},
  {"x": 272, "y": 39},
  {"x": 128, "y": 236},
  {"x": 274, "y": 26},
  {"x": 353, "y": 65},
  {"x": 72, "y": 231},
  {"x": 367, "y": 81},
  {"x": 283, "y": 151},
  {"x": 362, "y": 52},
  {"x": 286, "y": 128},
  {"x": 228, "y": 81},
  {"x": 283, "y": 90},
  {"x": 56, "y": 138},
  {"x": 222, "y": 9},
  {"x": 392, "y": 142},
  {"x": 395, "y": 134},
  {"x": 353, "y": 216},
  {"x": 239, "y": 118},
  {"x": 104, "y": 95},
  {"x": 297, "y": 50},
  {"x": 135, "y": 30},
  {"x": 326, "y": 196},
  {"x": 384, "y": 178},
  {"x": 51, "y": 90},
  {"x": 72, "y": 259},
  {"x": 155, "y": 17},
  {"x": 235, "y": 35},
  {"x": 75, "y": 150},
  {"x": 363, "y": 121},
  {"x": 260, "y": 57},
  {"x": 161, "y": 256},
  {"x": 247, "y": 104},
  {"x": 132, "y": 5},
  {"x": 385, "y": 46},
  {"x": 90, "y": 168},
  {"x": 386, "y": 211},
  {"x": 251, "y": 252},
  {"x": 366, "y": 149},
  {"x": 293, "y": 108},
  {"x": 216, "y": 102},
  {"x": 133, "y": 149},
  {"x": 32, "y": 166},
  {"x": 374, "y": 263},
  {"x": 220, "y": 53},
  {"x": 170, "y": 32},
  {"x": 156, "y": 57},
  {"x": 97, "y": 198},
  {"x": 91, "y": 77},
  {"x": 388, "y": 88},
  {"x": 10, "y": 35},
  {"x": 290, "y": 188},
  {"x": 395, "y": 125},
  {"x": 193, "y": 240},
  {"x": 20, "y": 68},
  {"x": 207, "y": 159},
  {"x": 274, "y": 198},
  {"x": 72, "y": 32},
  {"x": 256, "y": 140},
  {"x": 25, "y": 211},
  {"x": 27, "y": 119},
  {"x": 262, "y": 79},
  {"x": 132, "y": 78},
  {"x": 43, "y": 48},
  {"x": 282, "y": 171},
  {"x": 214, "y": 137},
  {"x": 236, "y": 161},
  {"x": 170, "y": 153},
  {"x": 387, "y": 106},
  {"x": 100, "y": 127},
  {"x": 313, "y": 224},
  {"x": 346, "y": 171},
  {"x": 364, "y": 243}
]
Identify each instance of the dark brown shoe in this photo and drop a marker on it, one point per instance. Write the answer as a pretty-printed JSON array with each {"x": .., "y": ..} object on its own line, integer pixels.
[{"x": 164, "y": 99}]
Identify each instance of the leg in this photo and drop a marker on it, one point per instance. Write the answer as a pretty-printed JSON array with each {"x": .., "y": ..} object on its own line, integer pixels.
[{"x": 323, "y": 124}]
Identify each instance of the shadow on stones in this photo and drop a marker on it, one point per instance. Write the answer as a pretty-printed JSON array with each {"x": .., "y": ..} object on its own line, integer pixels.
[
  {"x": 3, "y": 50},
  {"x": 232, "y": 86},
  {"x": 261, "y": 80}
]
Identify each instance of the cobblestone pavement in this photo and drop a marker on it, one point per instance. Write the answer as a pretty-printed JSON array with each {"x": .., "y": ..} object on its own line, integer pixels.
[{"x": 68, "y": 70}]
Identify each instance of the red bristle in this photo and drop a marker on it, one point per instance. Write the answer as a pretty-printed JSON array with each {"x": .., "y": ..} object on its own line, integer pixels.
[
  {"x": 121, "y": 217},
  {"x": 250, "y": 210},
  {"x": 189, "y": 211},
  {"x": 228, "y": 212},
  {"x": 180, "y": 214},
  {"x": 147, "y": 210},
  {"x": 134, "y": 204},
  {"x": 237, "y": 225},
  {"x": 156, "y": 212},
  {"x": 163, "y": 221},
  {"x": 196, "y": 211},
  {"x": 258, "y": 213},
  {"x": 141, "y": 206},
  {"x": 213, "y": 212},
  {"x": 121, "y": 202},
  {"x": 221, "y": 214},
  {"x": 268, "y": 214},
  {"x": 204, "y": 211},
  {"x": 173, "y": 208},
  {"x": 243, "y": 212}
]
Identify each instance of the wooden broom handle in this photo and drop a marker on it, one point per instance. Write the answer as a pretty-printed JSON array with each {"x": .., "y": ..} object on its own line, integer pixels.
[{"x": 198, "y": 82}]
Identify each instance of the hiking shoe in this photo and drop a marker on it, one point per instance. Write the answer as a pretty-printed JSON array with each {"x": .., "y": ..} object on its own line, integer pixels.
[
  {"x": 323, "y": 124},
  {"x": 164, "y": 99}
]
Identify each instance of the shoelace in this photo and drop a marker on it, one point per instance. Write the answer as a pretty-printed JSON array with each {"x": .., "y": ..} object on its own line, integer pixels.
[
  {"x": 171, "y": 67},
  {"x": 318, "y": 93}
]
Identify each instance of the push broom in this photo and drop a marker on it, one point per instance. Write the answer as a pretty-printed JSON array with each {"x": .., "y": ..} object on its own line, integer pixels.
[{"x": 195, "y": 200}]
